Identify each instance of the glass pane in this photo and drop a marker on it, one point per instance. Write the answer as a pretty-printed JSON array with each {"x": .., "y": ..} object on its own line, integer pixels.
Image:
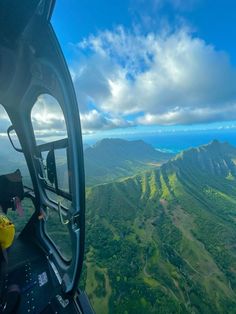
[
  {"x": 62, "y": 169},
  {"x": 57, "y": 198},
  {"x": 21, "y": 221},
  {"x": 49, "y": 127},
  {"x": 10, "y": 159},
  {"x": 48, "y": 120},
  {"x": 60, "y": 173},
  {"x": 58, "y": 233}
]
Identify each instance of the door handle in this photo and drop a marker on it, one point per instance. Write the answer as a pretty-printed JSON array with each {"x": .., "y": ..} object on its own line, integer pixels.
[{"x": 63, "y": 222}]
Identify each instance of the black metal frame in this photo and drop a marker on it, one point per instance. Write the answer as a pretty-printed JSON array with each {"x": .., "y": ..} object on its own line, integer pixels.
[
  {"x": 52, "y": 146},
  {"x": 38, "y": 66}
]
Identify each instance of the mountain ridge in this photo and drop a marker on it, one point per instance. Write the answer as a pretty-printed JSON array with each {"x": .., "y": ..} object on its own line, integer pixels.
[
  {"x": 169, "y": 236},
  {"x": 110, "y": 159}
]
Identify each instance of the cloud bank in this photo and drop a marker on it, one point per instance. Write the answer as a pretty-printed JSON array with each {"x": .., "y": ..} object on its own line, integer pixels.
[{"x": 125, "y": 78}]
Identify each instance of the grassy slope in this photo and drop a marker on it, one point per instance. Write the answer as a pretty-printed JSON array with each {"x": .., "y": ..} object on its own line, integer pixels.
[
  {"x": 165, "y": 240},
  {"x": 111, "y": 159}
]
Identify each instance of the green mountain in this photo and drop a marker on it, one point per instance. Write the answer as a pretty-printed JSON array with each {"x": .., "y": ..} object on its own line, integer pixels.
[
  {"x": 165, "y": 241},
  {"x": 111, "y": 159}
]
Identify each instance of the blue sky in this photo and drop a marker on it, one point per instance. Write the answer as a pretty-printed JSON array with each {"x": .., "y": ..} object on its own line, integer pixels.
[{"x": 150, "y": 65}]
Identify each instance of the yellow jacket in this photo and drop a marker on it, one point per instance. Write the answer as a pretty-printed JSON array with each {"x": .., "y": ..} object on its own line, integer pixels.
[{"x": 7, "y": 232}]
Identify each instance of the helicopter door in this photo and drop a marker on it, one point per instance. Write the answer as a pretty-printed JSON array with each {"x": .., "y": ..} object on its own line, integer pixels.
[
  {"x": 53, "y": 153},
  {"x": 57, "y": 155},
  {"x": 36, "y": 74},
  {"x": 56, "y": 171}
]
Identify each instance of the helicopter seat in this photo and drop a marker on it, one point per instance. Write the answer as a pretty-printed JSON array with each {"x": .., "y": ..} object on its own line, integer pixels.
[{"x": 11, "y": 190}]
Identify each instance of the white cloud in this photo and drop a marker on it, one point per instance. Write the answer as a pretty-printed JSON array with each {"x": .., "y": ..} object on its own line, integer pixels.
[
  {"x": 48, "y": 119},
  {"x": 93, "y": 120},
  {"x": 162, "y": 79},
  {"x": 190, "y": 116},
  {"x": 4, "y": 121}
]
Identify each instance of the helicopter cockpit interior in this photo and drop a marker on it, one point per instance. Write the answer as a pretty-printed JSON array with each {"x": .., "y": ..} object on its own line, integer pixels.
[{"x": 42, "y": 189}]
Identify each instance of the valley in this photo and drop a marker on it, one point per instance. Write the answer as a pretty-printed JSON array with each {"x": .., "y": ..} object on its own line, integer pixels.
[
  {"x": 165, "y": 239},
  {"x": 162, "y": 240}
]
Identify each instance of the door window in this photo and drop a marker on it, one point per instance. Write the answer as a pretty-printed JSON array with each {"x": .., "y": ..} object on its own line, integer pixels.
[
  {"x": 52, "y": 153},
  {"x": 10, "y": 161},
  {"x": 58, "y": 233},
  {"x": 48, "y": 120}
]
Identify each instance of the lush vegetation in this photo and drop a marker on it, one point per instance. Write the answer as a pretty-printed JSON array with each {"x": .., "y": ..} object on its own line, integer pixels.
[
  {"x": 111, "y": 159},
  {"x": 164, "y": 241}
]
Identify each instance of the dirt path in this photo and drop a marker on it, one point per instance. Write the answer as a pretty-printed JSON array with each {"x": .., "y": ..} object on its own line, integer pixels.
[{"x": 145, "y": 268}]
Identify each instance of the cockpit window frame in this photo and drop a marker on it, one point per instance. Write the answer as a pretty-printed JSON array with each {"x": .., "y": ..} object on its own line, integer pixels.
[{"x": 63, "y": 143}]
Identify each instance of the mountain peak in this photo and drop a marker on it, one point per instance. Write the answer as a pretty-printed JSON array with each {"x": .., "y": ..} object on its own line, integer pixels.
[
  {"x": 219, "y": 145},
  {"x": 114, "y": 157},
  {"x": 118, "y": 142},
  {"x": 215, "y": 157},
  {"x": 215, "y": 141},
  {"x": 126, "y": 147}
]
